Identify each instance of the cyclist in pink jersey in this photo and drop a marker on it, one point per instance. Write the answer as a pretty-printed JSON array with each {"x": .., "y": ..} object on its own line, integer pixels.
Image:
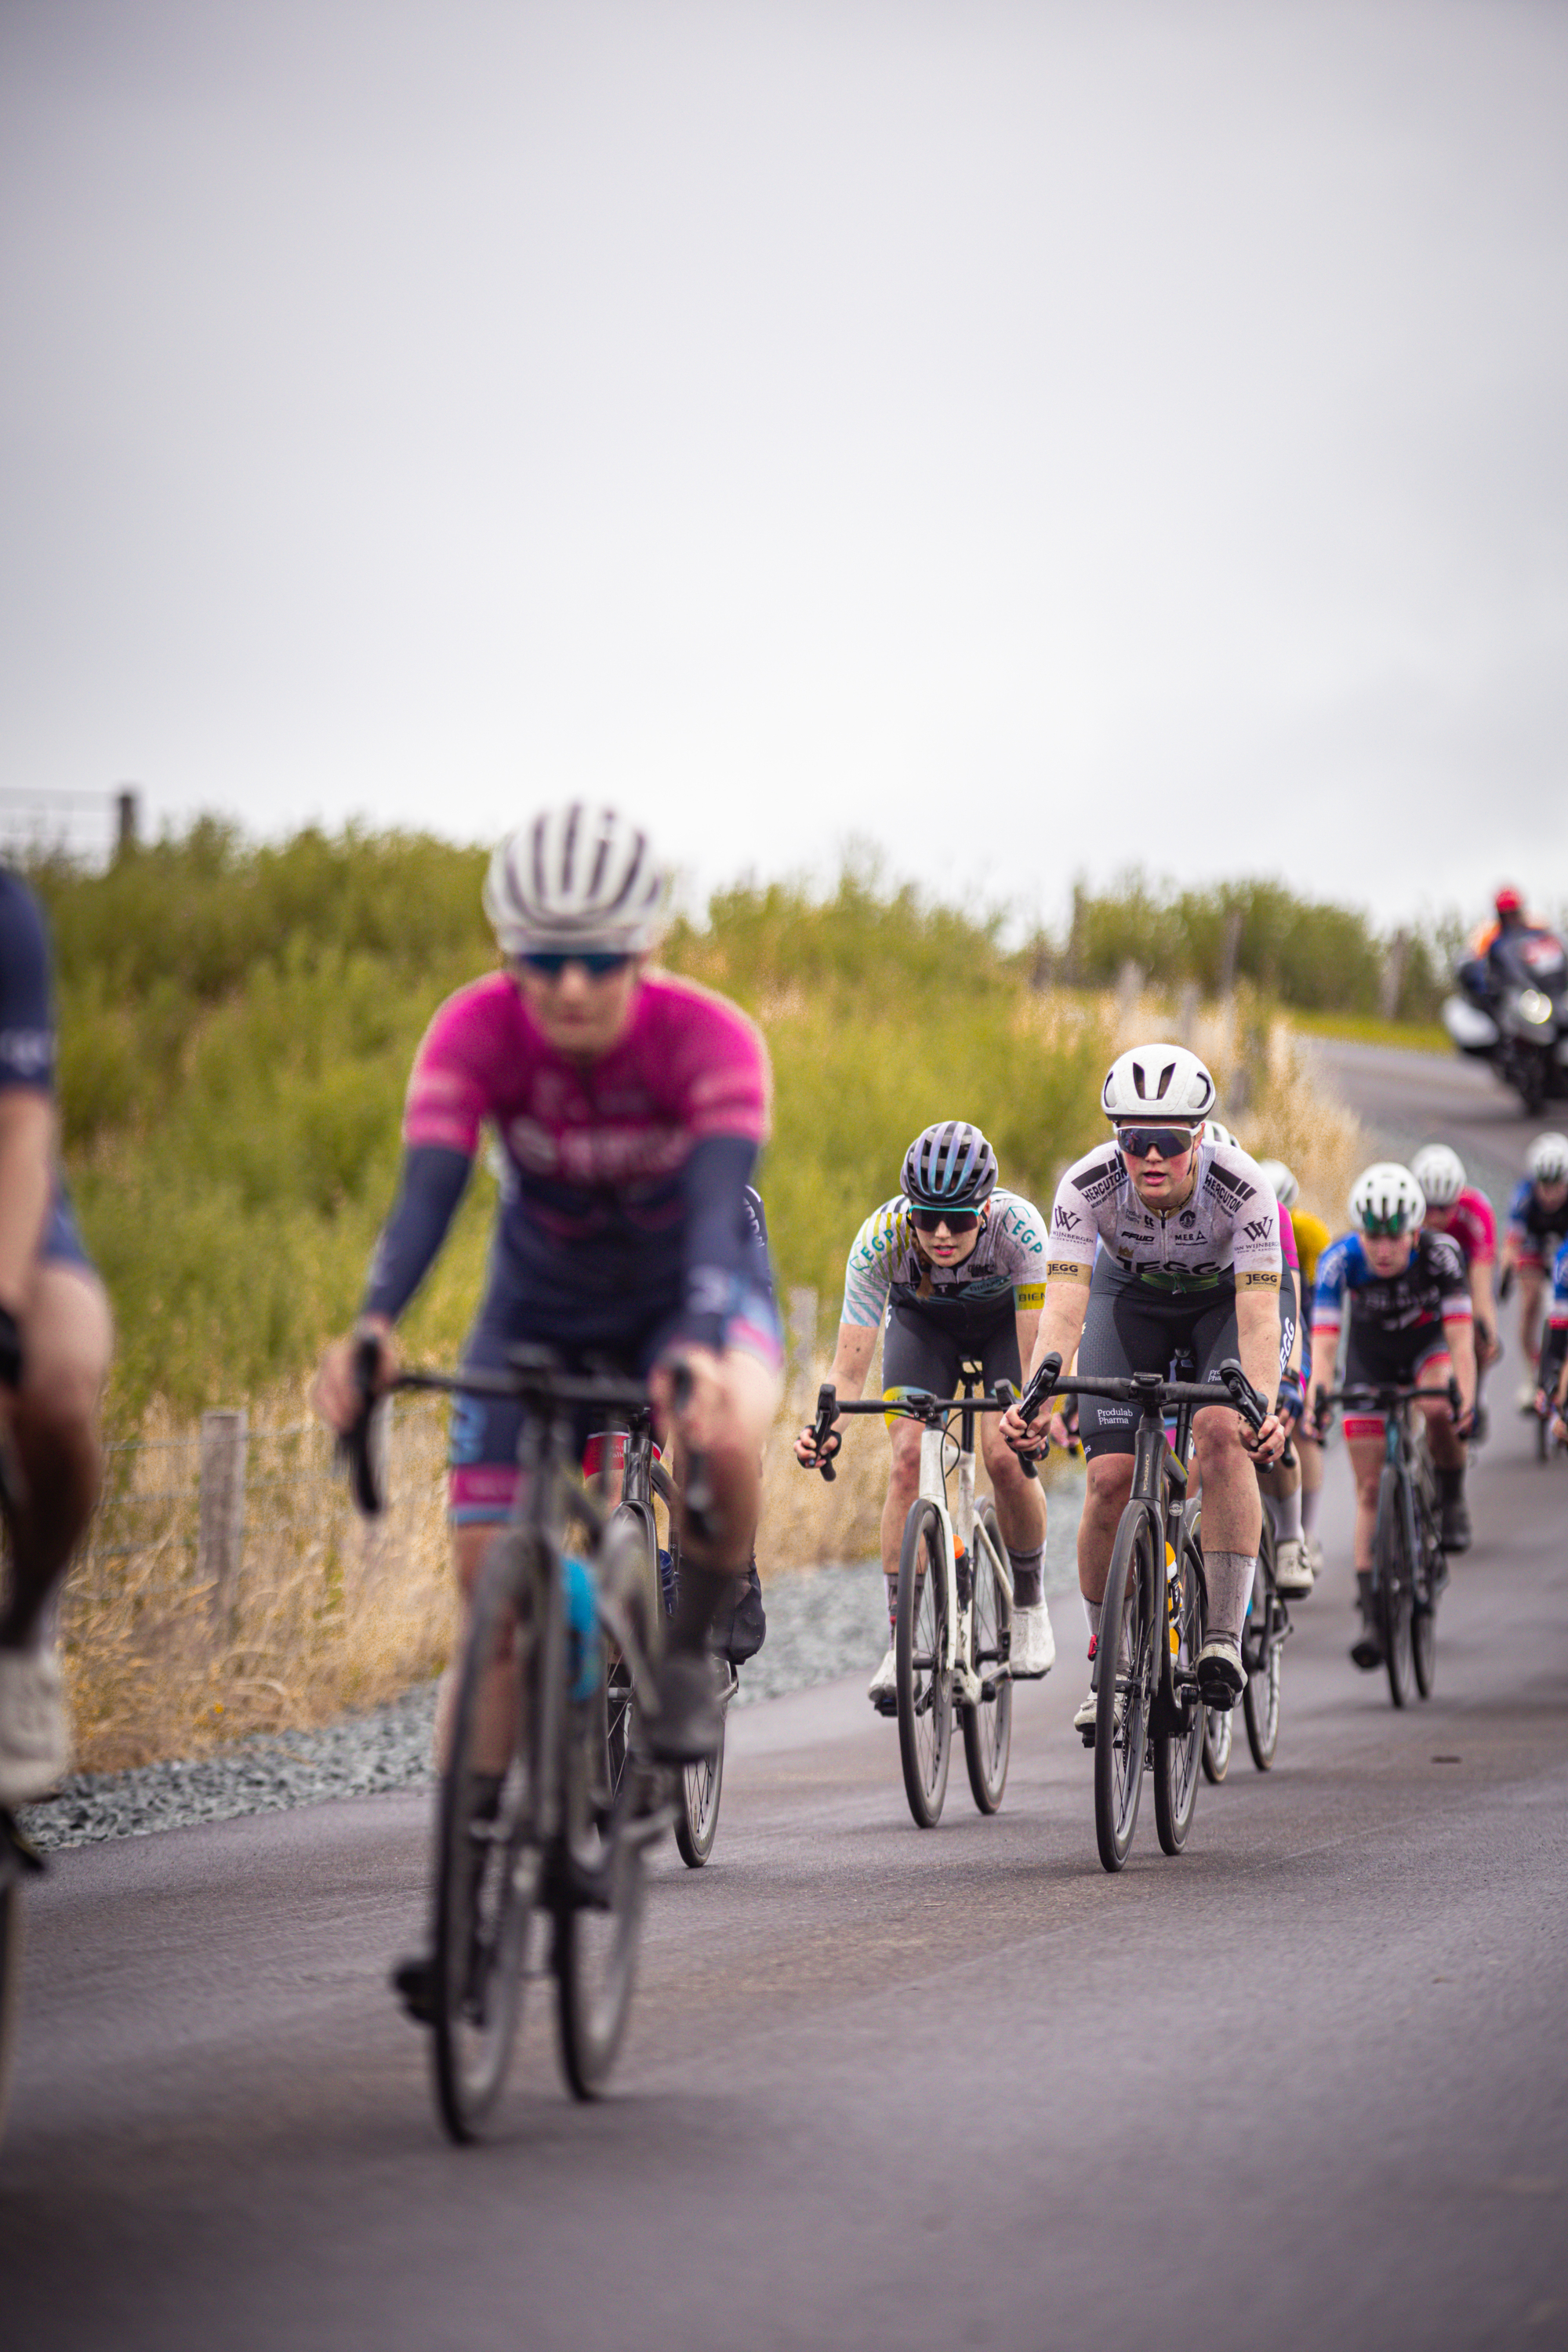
[
  {"x": 1462, "y": 1211},
  {"x": 629, "y": 1107}
]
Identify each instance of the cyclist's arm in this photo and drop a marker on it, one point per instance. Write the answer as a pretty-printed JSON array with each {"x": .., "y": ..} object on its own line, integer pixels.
[
  {"x": 1483, "y": 1306},
  {"x": 1459, "y": 1332},
  {"x": 432, "y": 1182},
  {"x": 1258, "y": 1332},
  {"x": 1028, "y": 1321},
  {"x": 718, "y": 1241},
  {"x": 852, "y": 1359},
  {"x": 1060, "y": 1326}
]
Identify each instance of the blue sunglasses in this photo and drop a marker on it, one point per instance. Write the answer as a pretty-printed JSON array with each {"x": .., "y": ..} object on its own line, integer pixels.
[{"x": 597, "y": 962}]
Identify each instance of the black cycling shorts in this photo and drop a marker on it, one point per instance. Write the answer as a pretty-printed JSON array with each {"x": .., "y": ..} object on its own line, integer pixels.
[
  {"x": 1373, "y": 1356},
  {"x": 1134, "y": 1327},
  {"x": 924, "y": 1347}
]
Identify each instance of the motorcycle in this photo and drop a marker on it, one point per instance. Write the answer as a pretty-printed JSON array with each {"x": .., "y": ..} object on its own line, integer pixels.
[{"x": 1513, "y": 1013}]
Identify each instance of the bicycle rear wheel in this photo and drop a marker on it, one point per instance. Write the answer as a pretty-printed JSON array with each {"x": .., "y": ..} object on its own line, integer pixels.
[
  {"x": 489, "y": 1863},
  {"x": 1427, "y": 1585},
  {"x": 10, "y": 1960},
  {"x": 1392, "y": 1563},
  {"x": 924, "y": 1675},
  {"x": 1218, "y": 1726},
  {"x": 701, "y": 1785},
  {"x": 988, "y": 1727},
  {"x": 1178, "y": 1753},
  {"x": 1261, "y": 1654},
  {"x": 1126, "y": 1654}
]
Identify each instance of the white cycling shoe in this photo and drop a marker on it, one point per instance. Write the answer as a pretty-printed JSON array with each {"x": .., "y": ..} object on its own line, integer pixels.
[
  {"x": 883, "y": 1686},
  {"x": 1222, "y": 1677},
  {"x": 35, "y": 1732},
  {"x": 1033, "y": 1651},
  {"x": 1292, "y": 1568},
  {"x": 1084, "y": 1720}
]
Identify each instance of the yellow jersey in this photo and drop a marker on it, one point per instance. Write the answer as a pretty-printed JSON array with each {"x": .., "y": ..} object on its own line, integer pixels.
[{"x": 1312, "y": 1238}]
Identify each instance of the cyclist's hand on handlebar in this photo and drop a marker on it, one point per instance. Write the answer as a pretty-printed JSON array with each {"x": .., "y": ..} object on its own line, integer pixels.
[
  {"x": 686, "y": 1389},
  {"x": 337, "y": 1392},
  {"x": 809, "y": 1454},
  {"x": 1266, "y": 1442}
]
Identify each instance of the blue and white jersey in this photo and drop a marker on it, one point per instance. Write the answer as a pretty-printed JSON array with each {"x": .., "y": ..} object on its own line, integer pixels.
[
  {"x": 1433, "y": 1288},
  {"x": 1557, "y": 1310}
]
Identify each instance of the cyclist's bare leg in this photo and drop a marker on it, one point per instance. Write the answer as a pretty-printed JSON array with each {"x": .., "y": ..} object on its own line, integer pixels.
[
  {"x": 903, "y": 1487},
  {"x": 1110, "y": 1485},
  {"x": 1020, "y": 1499},
  {"x": 67, "y": 1337},
  {"x": 1448, "y": 1449},
  {"x": 1532, "y": 1282},
  {"x": 497, "y": 1711},
  {"x": 1311, "y": 1454},
  {"x": 1367, "y": 1456},
  {"x": 1232, "y": 1516}
]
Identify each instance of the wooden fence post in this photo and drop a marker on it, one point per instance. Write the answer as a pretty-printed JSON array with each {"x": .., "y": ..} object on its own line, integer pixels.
[{"x": 221, "y": 1535}]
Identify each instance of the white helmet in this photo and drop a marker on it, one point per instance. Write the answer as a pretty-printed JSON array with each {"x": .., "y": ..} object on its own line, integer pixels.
[
  {"x": 1548, "y": 1160},
  {"x": 1281, "y": 1182},
  {"x": 1214, "y": 1133},
  {"x": 1386, "y": 1200},
  {"x": 575, "y": 877},
  {"x": 1440, "y": 1173},
  {"x": 1157, "y": 1082}
]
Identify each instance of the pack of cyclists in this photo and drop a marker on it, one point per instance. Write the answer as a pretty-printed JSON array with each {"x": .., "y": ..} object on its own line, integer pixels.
[{"x": 629, "y": 1107}]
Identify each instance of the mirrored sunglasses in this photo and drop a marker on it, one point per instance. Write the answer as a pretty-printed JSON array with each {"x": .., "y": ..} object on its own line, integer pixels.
[
  {"x": 957, "y": 1221},
  {"x": 1170, "y": 1142},
  {"x": 598, "y": 963}
]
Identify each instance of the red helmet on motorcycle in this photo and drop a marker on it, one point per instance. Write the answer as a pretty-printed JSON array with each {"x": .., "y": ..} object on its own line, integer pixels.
[{"x": 1508, "y": 901}]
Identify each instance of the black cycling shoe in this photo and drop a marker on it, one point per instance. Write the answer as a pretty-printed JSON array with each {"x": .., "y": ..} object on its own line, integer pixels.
[
  {"x": 414, "y": 1982},
  {"x": 1456, "y": 1528},
  {"x": 688, "y": 1725},
  {"x": 1367, "y": 1651}
]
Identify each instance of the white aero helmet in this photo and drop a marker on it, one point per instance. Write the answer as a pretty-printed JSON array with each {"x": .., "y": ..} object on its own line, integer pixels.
[
  {"x": 1385, "y": 1200},
  {"x": 575, "y": 877},
  {"x": 1281, "y": 1182},
  {"x": 1214, "y": 1133},
  {"x": 1158, "y": 1082},
  {"x": 1548, "y": 1161},
  {"x": 1440, "y": 1173}
]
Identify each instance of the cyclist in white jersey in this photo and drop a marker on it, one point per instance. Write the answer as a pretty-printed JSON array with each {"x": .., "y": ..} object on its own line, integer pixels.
[
  {"x": 1187, "y": 1236},
  {"x": 951, "y": 1269}
]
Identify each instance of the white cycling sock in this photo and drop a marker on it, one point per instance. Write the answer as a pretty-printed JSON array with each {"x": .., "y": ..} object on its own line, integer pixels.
[
  {"x": 892, "y": 1584},
  {"x": 1286, "y": 1514},
  {"x": 1228, "y": 1575},
  {"x": 1310, "y": 1512},
  {"x": 1092, "y": 1611}
]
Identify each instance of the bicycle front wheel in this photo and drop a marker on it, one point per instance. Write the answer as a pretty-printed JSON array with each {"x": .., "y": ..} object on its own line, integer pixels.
[
  {"x": 701, "y": 1786},
  {"x": 1261, "y": 1655},
  {"x": 924, "y": 1667},
  {"x": 1218, "y": 1725},
  {"x": 10, "y": 1963},
  {"x": 488, "y": 1864},
  {"x": 1392, "y": 1562},
  {"x": 1178, "y": 1752},
  {"x": 599, "y": 1896},
  {"x": 1126, "y": 1656},
  {"x": 988, "y": 1727},
  {"x": 1426, "y": 1587}
]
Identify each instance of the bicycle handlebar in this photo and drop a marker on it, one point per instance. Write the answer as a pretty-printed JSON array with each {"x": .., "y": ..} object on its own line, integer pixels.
[
  {"x": 913, "y": 1404},
  {"x": 532, "y": 1375},
  {"x": 1380, "y": 1396},
  {"x": 1150, "y": 1389}
]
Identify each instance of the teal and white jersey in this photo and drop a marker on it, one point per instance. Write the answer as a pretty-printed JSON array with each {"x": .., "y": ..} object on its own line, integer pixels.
[{"x": 885, "y": 1263}]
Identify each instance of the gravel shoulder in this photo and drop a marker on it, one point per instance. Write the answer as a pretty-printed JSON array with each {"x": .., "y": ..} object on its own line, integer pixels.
[{"x": 821, "y": 1622}]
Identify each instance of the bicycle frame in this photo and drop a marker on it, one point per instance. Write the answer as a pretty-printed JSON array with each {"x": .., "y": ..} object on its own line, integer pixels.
[{"x": 1401, "y": 1454}]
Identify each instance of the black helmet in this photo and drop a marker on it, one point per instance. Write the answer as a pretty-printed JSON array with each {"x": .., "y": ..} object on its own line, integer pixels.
[{"x": 951, "y": 1166}]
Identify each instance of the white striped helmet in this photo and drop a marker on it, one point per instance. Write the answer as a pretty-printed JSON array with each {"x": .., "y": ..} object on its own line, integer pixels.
[
  {"x": 1283, "y": 1184},
  {"x": 1548, "y": 1158},
  {"x": 575, "y": 877},
  {"x": 1214, "y": 1132},
  {"x": 1386, "y": 1200},
  {"x": 1157, "y": 1082},
  {"x": 1440, "y": 1173}
]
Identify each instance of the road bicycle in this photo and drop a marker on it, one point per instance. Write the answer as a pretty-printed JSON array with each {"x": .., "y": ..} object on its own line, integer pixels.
[
  {"x": 647, "y": 1488},
  {"x": 1409, "y": 1566},
  {"x": 1153, "y": 1617},
  {"x": 953, "y": 1624},
  {"x": 533, "y": 1846}
]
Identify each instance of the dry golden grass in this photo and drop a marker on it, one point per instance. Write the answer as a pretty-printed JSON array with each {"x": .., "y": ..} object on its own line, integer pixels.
[{"x": 328, "y": 1618}]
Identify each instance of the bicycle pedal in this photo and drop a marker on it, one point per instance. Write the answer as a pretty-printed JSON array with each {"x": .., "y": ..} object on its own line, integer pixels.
[{"x": 887, "y": 1703}]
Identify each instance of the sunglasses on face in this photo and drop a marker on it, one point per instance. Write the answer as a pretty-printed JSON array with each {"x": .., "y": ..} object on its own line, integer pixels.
[
  {"x": 1170, "y": 1142},
  {"x": 1382, "y": 1229},
  {"x": 598, "y": 963},
  {"x": 957, "y": 1221}
]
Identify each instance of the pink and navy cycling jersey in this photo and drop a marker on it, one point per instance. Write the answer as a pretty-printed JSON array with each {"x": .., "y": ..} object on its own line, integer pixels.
[
  {"x": 1472, "y": 1225},
  {"x": 593, "y": 1153}
]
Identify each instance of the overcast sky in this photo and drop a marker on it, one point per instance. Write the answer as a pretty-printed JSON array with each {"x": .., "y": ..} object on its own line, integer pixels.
[{"x": 1030, "y": 436}]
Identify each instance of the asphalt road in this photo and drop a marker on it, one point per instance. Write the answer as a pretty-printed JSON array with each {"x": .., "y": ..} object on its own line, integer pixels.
[
  {"x": 1416, "y": 1098},
  {"x": 1304, "y": 2085}
]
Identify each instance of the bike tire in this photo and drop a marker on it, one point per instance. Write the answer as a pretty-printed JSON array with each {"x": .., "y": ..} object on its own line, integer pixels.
[
  {"x": 10, "y": 1973},
  {"x": 701, "y": 1785},
  {"x": 1426, "y": 1587},
  {"x": 1178, "y": 1754},
  {"x": 1218, "y": 1729},
  {"x": 925, "y": 1670},
  {"x": 488, "y": 1872},
  {"x": 1393, "y": 1590},
  {"x": 1260, "y": 1697},
  {"x": 1126, "y": 1634},
  {"x": 600, "y": 1890},
  {"x": 618, "y": 1694},
  {"x": 1542, "y": 1437},
  {"x": 988, "y": 1727}
]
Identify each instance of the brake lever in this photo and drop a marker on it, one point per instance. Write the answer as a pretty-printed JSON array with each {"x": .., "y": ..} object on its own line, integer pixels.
[
  {"x": 1025, "y": 1461},
  {"x": 826, "y": 1413},
  {"x": 353, "y": 1444}
]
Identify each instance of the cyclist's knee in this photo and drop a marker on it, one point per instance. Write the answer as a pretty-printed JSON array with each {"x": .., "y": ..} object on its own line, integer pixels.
[
  {"x": 1110, "y": 1477},
  {"x": 67, "y": 1336},
  {"x": 1218, "y": 1437}
]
